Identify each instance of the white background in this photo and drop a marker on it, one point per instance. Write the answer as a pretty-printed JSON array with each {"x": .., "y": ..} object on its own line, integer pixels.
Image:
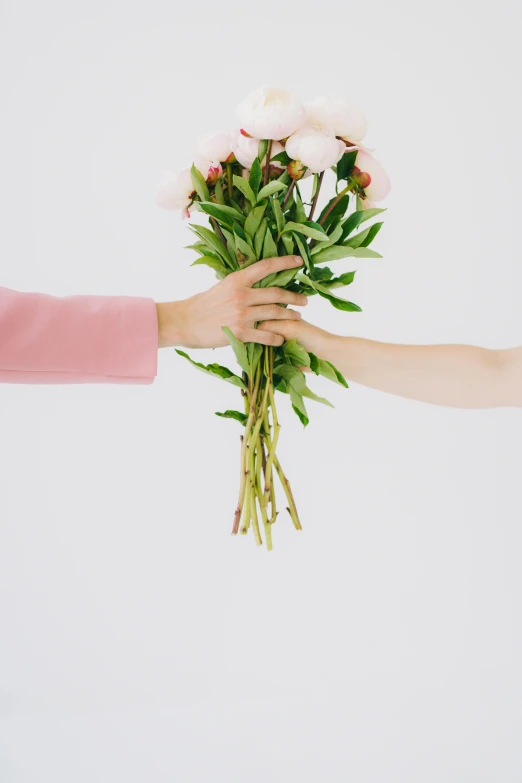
[{"x": 140, "y": 642}]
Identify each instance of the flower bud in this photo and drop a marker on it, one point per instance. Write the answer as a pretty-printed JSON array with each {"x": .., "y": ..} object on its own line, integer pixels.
[
  {"x": 362, "y": 178},
  {"x": 379, "y": 185},
  {"x": 296, "y": 169}
]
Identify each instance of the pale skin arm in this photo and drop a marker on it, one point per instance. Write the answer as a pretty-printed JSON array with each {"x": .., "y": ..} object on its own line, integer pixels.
[
  {"x": 458, "y": 376},
  {"x": 197, "y": 322}
]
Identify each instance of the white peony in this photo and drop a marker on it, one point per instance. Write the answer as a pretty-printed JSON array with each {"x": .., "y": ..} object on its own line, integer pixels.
[
  {"x": 216, "y": 146},
  {"x": 338, "y": 117},
  {"x": 380, "y": 184},
  {"x": 175, "y": 189},
  {"x": 270, "y": 113},
  {"x": 315, "y": 148},
  {"x": 245, "y": 148},
  {"x": 211, "y": 170}
]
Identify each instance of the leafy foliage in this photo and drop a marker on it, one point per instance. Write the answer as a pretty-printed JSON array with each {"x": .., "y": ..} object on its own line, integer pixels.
[
  {"x": 216, "y": 370},
  {"x": 241, "y": 417}
]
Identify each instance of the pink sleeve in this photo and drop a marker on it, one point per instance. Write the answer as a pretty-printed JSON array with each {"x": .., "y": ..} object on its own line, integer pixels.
[{"x": 77, "y": 339}]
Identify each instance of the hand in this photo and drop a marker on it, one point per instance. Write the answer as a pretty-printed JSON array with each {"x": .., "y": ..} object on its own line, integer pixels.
[
  {"x": 197, "y": 322},
  {"x": 312, "y": 338}
]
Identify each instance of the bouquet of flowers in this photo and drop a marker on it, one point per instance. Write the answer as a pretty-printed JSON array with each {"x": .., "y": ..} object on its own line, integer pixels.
[{"x": 260, "y": 189}]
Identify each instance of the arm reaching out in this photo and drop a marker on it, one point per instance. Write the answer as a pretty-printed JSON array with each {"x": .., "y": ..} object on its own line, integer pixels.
[
  {"x": 115, "y": 339},
  {"x": 459, "y": 376}
]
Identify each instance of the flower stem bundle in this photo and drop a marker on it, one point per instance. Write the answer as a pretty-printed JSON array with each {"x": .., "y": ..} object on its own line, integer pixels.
[{"x": 252, "y": 186}]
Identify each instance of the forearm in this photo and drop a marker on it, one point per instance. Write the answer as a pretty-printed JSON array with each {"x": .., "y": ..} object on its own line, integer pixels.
[
  {"x": 459, "y": 376},
  {"x": 79, "y": 339}
]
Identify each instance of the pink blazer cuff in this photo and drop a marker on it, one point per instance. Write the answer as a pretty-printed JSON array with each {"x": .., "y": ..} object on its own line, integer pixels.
[{"x": 77, "y": 339}]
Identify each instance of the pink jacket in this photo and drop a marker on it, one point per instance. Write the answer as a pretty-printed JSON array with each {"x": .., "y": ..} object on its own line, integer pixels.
[{"x": 78, "y": 339}]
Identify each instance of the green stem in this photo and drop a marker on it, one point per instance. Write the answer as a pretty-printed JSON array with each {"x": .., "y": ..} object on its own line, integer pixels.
[
  {"x": 259, "y": 490},
  {"x": 251, "y": 402},
  {"x": 230, "y": 181},
  {"x": 335, "y": 202},
  {"x": 267, "y": 165},
  {"x": 314, "y": 202},
  {"x": 253, "y": 503},
  {"x": 288, "y": 194},
  {"x": 277, "y": 427},
  {"x": 292, "y": 510}
]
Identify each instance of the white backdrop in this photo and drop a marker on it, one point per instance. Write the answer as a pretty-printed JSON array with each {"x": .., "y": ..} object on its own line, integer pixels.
[{"x": 140, "y": 642}]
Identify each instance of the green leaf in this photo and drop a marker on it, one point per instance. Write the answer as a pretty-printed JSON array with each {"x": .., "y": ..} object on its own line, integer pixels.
[
  {"x": 288, "y": 242},
  {"x": 214, "y": 263},
  {"x": 337, "y": 212},
  {"x": 336, "y": 301},
  {"x": 236, "y": 206},
  {"x": 199, "y": 247},
  {"x": 372, "y": 233},
  {"x": 200, "y": 186},
  {"x": 239, "y": 349},
  {"x": 262, "y": 148},
  {"x": 332, "y": 238},
  {"x": 314, "y": 363},
  {"x": 300, "y": 214},
  {"x": 322, "y": 273},
  {"x": 218, "y": 190},
  {"x": 273, "y": 187},
  {"x": 213, "y": 242},
  {"x": 332, "y": 373},
  {"x": 335, "y": 252},
  {"x": 253, "y": 220},
  {"x": 281, "y": 157},
  {"x": 309, "y": 229},
  {"x": 299, "y": 407},
  {"x": 241, "y": 417},
  {"x": 242, "y": 185},
  {"x": 280, "y": 279},
  {"x": 255, "y": 175},
  {"x": 240, "y": 231},
  {"x": 278, "y": 214},
  {"x": 260, "y": 238},
  {"x": 339, "y": 282},
  {"x": 243, "y": 250},
  {"x": 296, "y": 354},
  {"x": 351, "y": 222},
  {"x": 304, "y": 251},
  {"x": 231, "y": 242},
  {"x": 346, "y": 164},
  {"x": 269, "y": 246},
  {"x": 296, "y": 379},
  {"x": 363, "y": 238},
  {"x": 284, "y": 178},
  {"x": 216, "y": 370},
  {"x": 222, "y": 213},
  {"x": 356, "y": 239}
]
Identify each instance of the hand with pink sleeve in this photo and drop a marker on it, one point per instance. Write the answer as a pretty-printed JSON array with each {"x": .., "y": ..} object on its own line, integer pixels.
[{"x": 105, "y": 339}]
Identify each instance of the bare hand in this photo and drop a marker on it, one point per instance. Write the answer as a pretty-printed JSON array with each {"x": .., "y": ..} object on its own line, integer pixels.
[
  {"x": 309, "y": 336},
  {"x": 197, "y": 322}
]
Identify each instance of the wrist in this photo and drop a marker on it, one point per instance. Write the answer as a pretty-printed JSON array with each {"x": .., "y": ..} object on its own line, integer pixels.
[
  {"x": 171, "y": 323},
  {"x": 313, "y": 339}
]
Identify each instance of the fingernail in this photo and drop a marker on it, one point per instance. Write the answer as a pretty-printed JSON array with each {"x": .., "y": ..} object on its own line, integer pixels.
[{"x": 298, "y": 260}]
